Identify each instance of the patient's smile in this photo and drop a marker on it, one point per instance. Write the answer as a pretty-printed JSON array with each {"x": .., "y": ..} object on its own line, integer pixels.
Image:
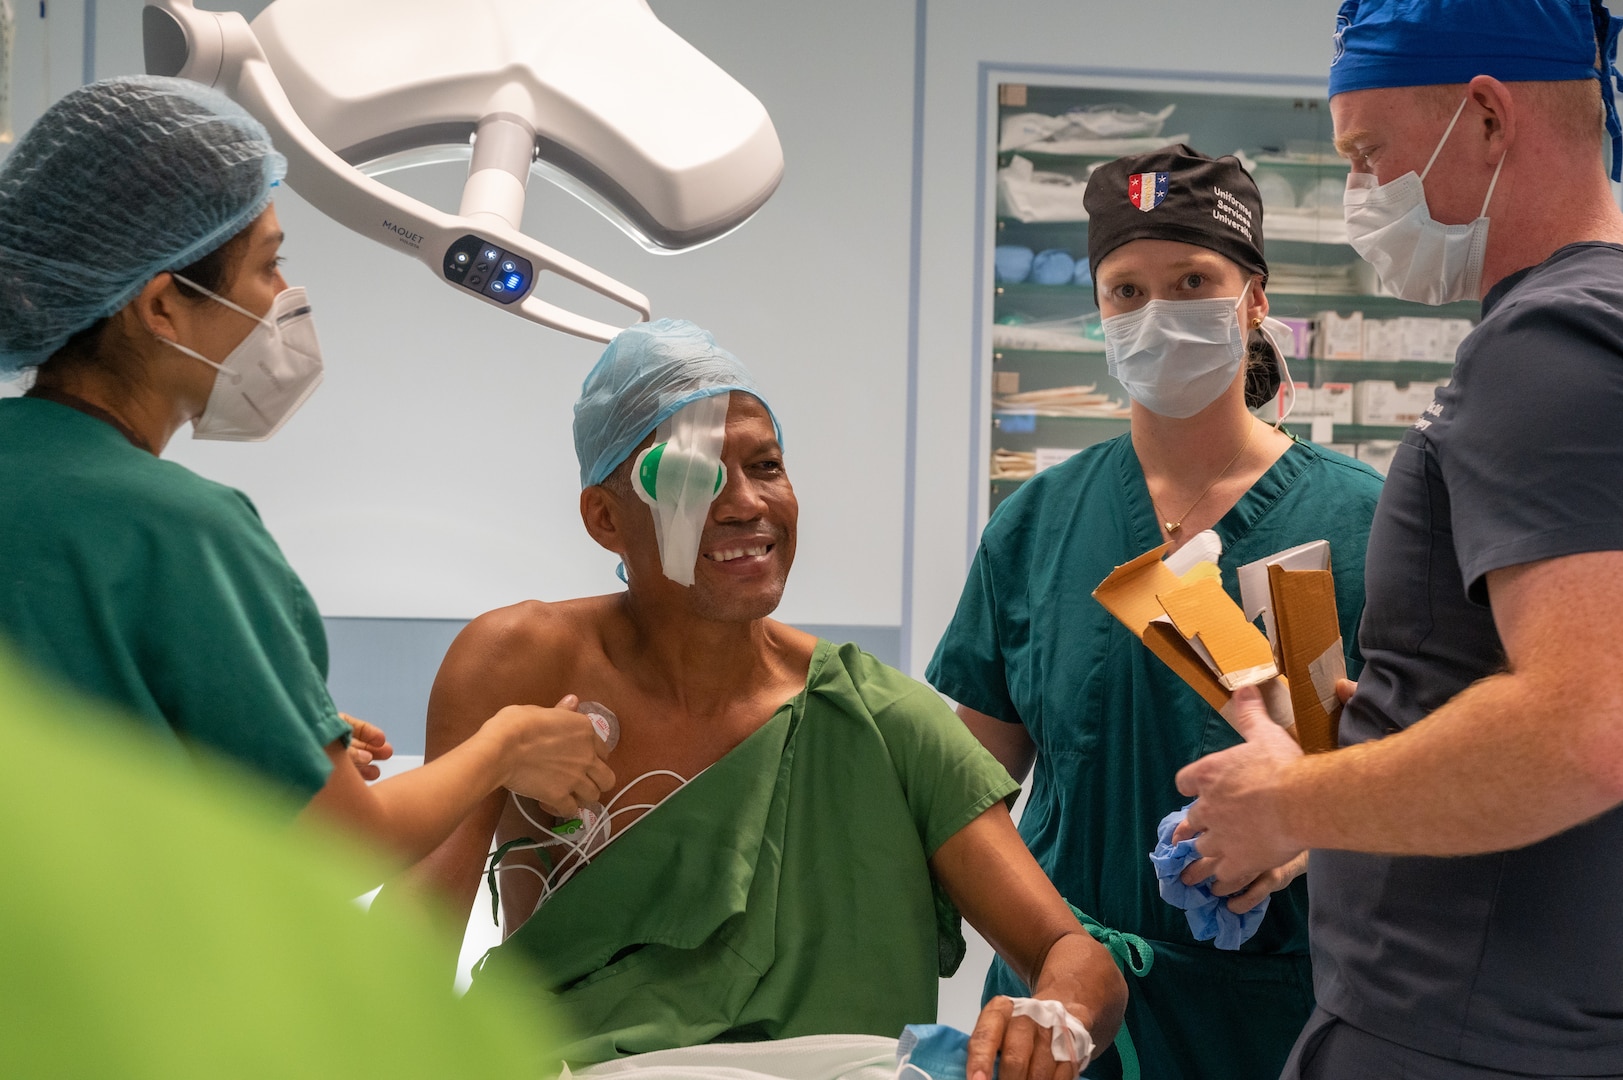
[{"x": 732, "y": 554}]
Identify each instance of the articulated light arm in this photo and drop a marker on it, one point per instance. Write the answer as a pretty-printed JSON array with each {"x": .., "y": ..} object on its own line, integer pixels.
[{"x": 481, "y": 252}]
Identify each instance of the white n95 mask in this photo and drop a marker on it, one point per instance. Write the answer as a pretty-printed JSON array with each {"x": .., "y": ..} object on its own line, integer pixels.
[
  {"x": 265, "y": 379},
  {"x": 1175, "y": 357},
  {"x": 679, "y": 477},
  {"x": 1418, "y": 259}
]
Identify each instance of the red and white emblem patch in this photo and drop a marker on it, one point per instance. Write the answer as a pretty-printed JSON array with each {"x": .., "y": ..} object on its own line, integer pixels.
[{"x": 1146, "y": 189}]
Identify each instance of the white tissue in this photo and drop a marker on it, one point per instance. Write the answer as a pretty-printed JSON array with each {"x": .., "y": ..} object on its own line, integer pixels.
[{"x": 1071, "y": 1040}]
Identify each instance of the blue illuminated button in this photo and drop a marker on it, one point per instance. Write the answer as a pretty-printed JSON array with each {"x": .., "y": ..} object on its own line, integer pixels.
[
  {"x": 514, "y": 281},
  {"x": 495, "y": 286},
  {"x": 508, "y": 266},
  {"x": 492, "y": 254}
]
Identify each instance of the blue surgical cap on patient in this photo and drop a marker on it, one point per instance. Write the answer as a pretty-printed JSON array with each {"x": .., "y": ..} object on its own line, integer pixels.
[
  {"x": 1382, "y": 43},
  {"x": 648, "y": 372},
  {"x": 117, "y": 182}
]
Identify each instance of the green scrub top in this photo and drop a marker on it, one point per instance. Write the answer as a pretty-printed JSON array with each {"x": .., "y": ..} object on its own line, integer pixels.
[
  {"x": 1113, "y": 725},
  {"x": 159, "y": 921},
  {"x": 784, "y": 891},
  {"x": 140, "y": 583}
]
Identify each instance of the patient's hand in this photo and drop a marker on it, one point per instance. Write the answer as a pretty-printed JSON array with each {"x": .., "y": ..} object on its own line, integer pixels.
[
  {"x": 1021, "y": 1049},
  {"x": 991, "y": 876},
  {"x": 367, "y": 744}
]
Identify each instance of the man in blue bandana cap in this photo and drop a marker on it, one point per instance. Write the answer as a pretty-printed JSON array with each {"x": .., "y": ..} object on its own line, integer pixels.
[{"x": 1465, "y": 870}]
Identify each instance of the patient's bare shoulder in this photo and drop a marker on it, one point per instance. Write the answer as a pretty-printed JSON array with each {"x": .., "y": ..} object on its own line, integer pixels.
[{"x": 523, "y": 654}]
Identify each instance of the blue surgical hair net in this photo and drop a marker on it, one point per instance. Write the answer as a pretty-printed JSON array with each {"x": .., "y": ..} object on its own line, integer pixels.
[
  {"x": 118, "y": 181},
  {"x": 647, "y": 373}
]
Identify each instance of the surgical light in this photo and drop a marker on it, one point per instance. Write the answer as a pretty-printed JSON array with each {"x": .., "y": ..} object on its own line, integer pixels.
[{"x": 595, "y": 95}]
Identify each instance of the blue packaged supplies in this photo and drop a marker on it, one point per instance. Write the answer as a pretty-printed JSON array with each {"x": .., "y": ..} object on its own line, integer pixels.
[
  {"x": 1011, "y": 263},
  {"x": 1053, "y": 267}
]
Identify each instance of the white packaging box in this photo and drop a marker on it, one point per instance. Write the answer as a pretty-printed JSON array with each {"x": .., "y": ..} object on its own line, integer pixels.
[
  {"x": 1386, "y": 403},
  {"x": 1453, "y": 332},
  {"x": 1339, "y": 337},
  {"x": 1307, "y": 400},
  {"x": 1383, "y": 339},
  {"x": 1378, "y": 453},
  {"x": 1048, "y": 456},
  {"x": 1298, "y": 345},
  {"x": 1422, "y": 338},
  {"x": 1335, "y": 400}
]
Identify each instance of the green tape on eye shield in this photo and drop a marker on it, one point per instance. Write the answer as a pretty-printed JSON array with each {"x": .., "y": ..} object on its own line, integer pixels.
[{"x": 648, "y": 471}]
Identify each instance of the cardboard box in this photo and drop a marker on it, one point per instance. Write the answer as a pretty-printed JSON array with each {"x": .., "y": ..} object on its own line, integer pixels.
[
  {"x": 1299, "y": 346},
  {"x": 1053, "y": 455},
  {"x": 1335, "y": 400},
  {"x": 1453, "y": 332},
  {"x": 1391, "y": 404},
  {"x": 1378, "y": 453},
  {"x": 1422, "y": 338},
  {"x": 1193, "y": 626},
  {"x": 1383, "y": 339},
  {"x": 1295, "y": 594},
  {"x": 1339, "y": 337},
  {"x": 1307, "y": 400}
]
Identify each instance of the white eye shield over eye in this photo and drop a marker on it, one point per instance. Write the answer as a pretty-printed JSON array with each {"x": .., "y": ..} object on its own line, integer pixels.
[{"x": 679, "y": 476}]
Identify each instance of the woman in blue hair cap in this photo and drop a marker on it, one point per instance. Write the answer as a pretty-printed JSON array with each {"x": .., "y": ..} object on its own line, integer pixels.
[{"x": 140, "y": 284}]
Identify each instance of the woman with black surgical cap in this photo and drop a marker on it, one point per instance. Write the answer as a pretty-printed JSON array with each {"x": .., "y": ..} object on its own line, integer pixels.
[
  {"x": 140, "y": 281},
  {"x": 1045, "y": 676}
]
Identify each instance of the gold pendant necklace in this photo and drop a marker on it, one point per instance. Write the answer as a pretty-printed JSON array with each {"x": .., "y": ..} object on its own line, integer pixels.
[{"x": 1172, "y": 527}]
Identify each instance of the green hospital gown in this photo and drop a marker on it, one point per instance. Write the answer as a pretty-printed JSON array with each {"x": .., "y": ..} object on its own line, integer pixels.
[
  {"x": 139, "y": 582},
  {"x": 785, "y": 891},
  {"x": 1112, "y": 726}
]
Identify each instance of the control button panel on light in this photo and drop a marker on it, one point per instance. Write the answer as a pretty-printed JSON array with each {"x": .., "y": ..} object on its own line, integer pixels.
[{"x": 488, "y": 269}]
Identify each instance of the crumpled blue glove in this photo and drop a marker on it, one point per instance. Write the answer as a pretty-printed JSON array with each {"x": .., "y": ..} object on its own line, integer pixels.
[{"x": 1209, "y": 916}]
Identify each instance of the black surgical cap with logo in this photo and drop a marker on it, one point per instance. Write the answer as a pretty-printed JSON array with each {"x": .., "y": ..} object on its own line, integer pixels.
[
  {"x": 1209, "y": 202},
  {"x": 1176, "y": 193}
]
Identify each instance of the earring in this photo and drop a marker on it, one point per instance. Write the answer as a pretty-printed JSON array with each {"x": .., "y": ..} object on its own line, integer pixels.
[{"x": 1256, "y": 322}]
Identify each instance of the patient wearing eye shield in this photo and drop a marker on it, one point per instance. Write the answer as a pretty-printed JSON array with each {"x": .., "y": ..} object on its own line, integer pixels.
[{"x": 799, "y": 825}]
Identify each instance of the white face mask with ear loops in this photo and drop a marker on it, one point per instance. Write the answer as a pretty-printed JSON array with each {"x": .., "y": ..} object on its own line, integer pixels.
[
  {"x": 679, "y": 477},
  {"x": 265, "y": 379},
  {"x": 1416, "y": 257}
]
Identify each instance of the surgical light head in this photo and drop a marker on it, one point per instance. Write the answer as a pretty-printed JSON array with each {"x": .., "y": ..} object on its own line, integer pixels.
[
  {"x": 597, "y": 96},
  {"x": 117, "y": 182},
  {"x": 667, "y": 378}
]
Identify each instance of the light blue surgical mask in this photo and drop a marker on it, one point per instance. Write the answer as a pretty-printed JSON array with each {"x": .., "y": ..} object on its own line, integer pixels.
[
  {"x": 1175, "y": 357},
  {"x": 933, "y": 1052}
]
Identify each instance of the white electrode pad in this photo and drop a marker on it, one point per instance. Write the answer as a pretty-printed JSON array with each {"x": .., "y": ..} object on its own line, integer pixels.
[{"x": 679, "y": 477}]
